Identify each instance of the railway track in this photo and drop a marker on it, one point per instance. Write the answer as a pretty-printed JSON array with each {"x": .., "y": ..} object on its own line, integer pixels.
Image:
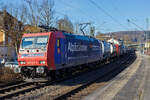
[
  {"x": 67, "y": 89},
  {"x": 10, "y": 84},
  {"x": 13, "y": 90},
  {"x": 84, "y": 89},
  {"x": 58, "y": 90}
]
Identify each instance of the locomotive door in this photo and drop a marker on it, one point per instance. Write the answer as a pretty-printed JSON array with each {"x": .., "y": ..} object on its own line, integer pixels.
[{"x": 63, "y": 51}]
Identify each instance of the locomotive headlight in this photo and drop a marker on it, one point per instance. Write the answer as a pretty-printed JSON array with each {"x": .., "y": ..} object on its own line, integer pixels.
[
  {"x": 22, "y": 62},
  {"x": 42, "y": 62}
]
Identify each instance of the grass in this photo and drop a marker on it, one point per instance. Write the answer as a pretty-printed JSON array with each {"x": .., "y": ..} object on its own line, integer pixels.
[{"x": 8, "y": 75}]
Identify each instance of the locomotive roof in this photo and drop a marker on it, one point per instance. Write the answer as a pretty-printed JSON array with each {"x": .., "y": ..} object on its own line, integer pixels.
[
  {"x": 36, "y": 34},
  {"x": 80, "y": 37},
  {"x": 59, "y": 34}
]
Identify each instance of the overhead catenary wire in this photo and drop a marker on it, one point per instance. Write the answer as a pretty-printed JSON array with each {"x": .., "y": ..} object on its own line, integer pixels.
[
  {"x": 80, "y": 10},
  {"x": 123, "y": 15},
  {"x": 88, "y": 16},
  {"x": 106, "y": 13},
  {"x": 118, "y": 11},
  {"x": 136, "y": 25}
]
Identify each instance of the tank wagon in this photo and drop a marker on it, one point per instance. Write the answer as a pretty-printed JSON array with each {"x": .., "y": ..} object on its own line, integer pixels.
[
  {"x": 117, "y": 49},
  {"x": 113, "y": 50},
  {"x": 43, "y": 55},
  {"x": 120, "y": 49},
  {"x": 105, "y": 50}
]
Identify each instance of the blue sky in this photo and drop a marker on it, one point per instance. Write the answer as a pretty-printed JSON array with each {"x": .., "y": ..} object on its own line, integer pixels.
[{"x": 119, "y": 10}]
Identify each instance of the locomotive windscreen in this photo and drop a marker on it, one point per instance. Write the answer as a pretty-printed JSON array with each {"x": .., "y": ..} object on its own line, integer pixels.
[{"x": 34, "y": 42}]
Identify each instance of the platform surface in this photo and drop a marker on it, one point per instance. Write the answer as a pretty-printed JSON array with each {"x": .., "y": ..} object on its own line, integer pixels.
[{"x": 131, "y": 84}]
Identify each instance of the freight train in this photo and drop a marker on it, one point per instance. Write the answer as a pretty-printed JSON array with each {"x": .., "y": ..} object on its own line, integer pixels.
[{"x": 50, "y": 54}]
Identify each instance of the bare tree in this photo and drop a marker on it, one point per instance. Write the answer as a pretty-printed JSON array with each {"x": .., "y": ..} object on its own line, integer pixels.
[
  {"x": 34, "y": 11},
  {"x": 31, "y": 12},
  {"x": 65, "y": 24},
  {"x": 23, "y": 14},
  {"x": 47, "y": 14},
  {"x": 40, "y": 13}
]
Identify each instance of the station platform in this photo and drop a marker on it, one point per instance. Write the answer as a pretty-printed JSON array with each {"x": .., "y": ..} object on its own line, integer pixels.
[{"x": 131, "y": 84}]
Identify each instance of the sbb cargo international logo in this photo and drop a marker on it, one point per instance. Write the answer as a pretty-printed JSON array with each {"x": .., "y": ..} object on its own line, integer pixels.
[{"x": 76, "y": 47}]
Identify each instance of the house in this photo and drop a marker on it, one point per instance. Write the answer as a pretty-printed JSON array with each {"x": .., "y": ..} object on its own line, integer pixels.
[
  {"x": 32, "y": 29},
  {"x": 7, "y": 50},
  {"x": 2, "y": 37}
]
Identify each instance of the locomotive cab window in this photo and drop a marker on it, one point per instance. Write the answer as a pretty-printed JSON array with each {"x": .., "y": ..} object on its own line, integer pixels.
[{"x": 34, "y": 42}]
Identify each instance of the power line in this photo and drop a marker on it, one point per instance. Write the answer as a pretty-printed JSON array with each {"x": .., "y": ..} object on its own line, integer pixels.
[
  {"x": 135, "y": 25},
  {"x": 121, "y": 14},
  {"x": 99, "y": 7},
  {"x": 116, "y": 9},
  {"x": 89, "y": 16},
  {"x": 80, "y": 10}
]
